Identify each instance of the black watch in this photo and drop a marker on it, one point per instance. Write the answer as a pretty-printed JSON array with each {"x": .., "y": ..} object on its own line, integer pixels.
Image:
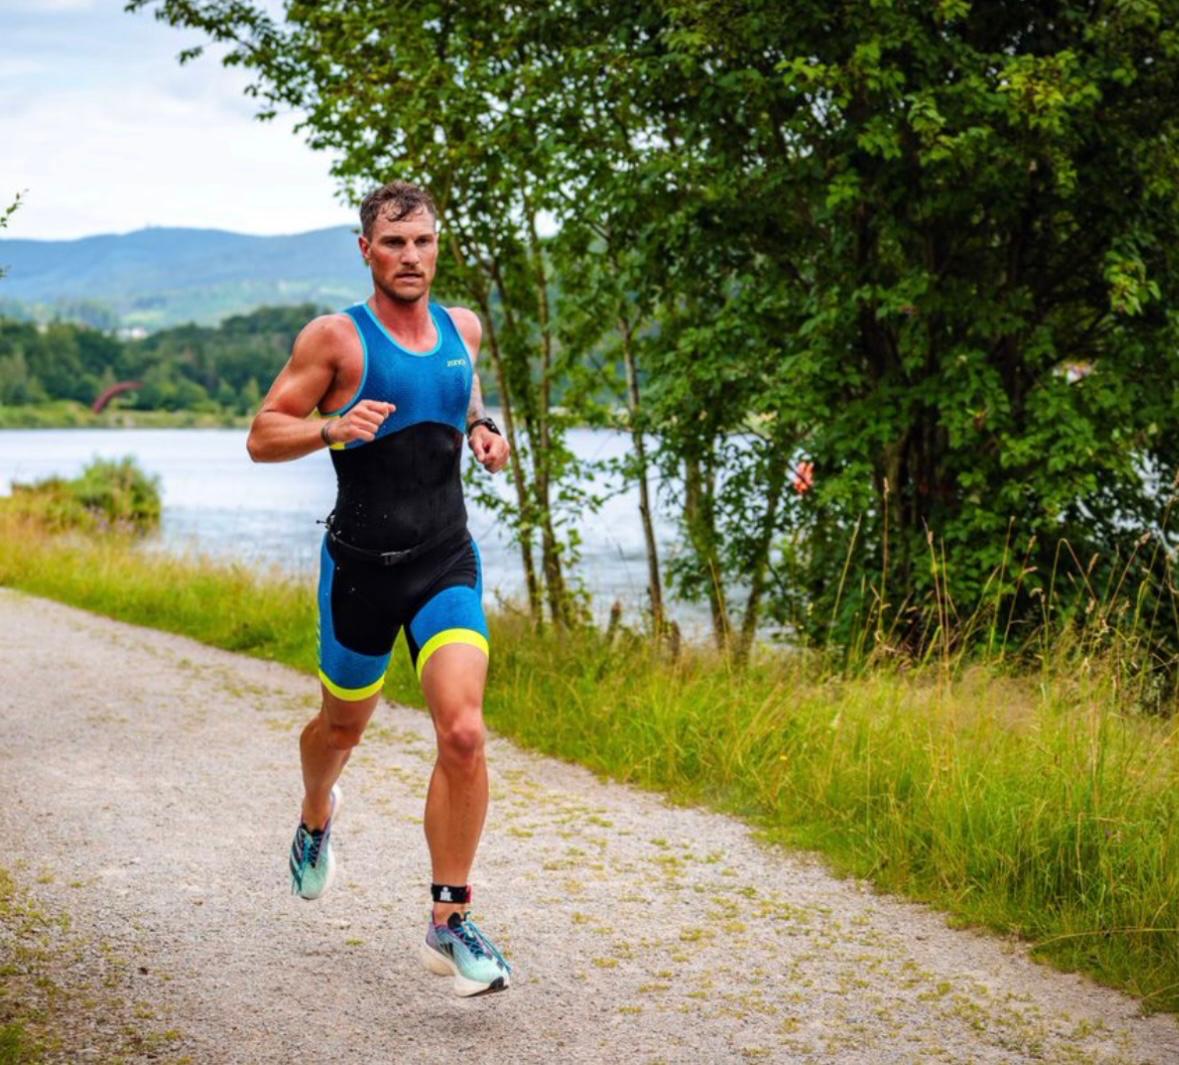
[{"x": 486, "y": 422}]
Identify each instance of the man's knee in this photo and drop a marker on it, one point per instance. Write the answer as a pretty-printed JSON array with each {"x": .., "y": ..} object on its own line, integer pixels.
[
  {"x": 341, "y": 723},
  {"x": 461, "y": 740},
  {"x": 343, "y": 737}
]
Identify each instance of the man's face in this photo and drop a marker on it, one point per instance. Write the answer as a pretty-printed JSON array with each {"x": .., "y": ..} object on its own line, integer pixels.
[{"x": 403, "y": 255}]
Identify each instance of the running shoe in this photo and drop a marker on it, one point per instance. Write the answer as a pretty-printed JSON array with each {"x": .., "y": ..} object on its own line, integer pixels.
[
  {"x": 459, "y": 949},
  {"x": 312, "y": 866}
]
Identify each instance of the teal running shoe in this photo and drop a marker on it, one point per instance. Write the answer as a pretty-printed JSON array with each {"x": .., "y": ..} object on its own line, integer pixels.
[
  {"x": 312, "y": 866},
  {"x": 459, "y": 949}
]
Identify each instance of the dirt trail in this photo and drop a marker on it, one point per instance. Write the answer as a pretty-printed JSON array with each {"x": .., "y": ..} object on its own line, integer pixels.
[{"x": 155, "y": 785}]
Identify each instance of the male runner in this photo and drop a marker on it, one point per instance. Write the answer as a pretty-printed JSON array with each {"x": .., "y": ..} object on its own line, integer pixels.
[{"x": 395, "y": 380}]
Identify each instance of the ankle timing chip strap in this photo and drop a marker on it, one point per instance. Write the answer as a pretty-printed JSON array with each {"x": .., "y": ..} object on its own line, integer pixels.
[{"x": 451, "y": 892}]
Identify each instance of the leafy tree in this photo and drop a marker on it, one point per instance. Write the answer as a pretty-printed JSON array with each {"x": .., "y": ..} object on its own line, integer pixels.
[
  {"x": 927, "y": 247},
  {"x": 192, "y": 396},
  {"x": 158, "y": 391},
  {"x": 443, "y": 96},
  {"x": 17, "y": 386},
  {"x": 251, "y": 396},
  {"x": 919, "y": 217},
  {"x": 97, "y": 351},
  {"x": 226, "y": 396}
]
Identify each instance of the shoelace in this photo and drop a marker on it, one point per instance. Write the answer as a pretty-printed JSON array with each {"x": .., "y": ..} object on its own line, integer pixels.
[
  {"x": 316, "y": 836},
  {"x": 308, "y": 852},
  {"x": 478, "y": 944},
  {"x": 311, "y": 851}
]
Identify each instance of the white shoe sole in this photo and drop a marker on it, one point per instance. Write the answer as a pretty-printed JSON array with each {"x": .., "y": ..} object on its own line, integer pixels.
[
  {"x": 441, "y": 965},
  {"x": 330, "y": 878}
]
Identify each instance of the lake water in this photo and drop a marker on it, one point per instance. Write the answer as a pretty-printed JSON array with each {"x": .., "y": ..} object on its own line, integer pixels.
[{"x": 220, "y": 504}]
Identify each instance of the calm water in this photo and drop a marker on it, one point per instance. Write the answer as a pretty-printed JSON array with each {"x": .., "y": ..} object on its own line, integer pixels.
[{"x": 220, "y": 504}]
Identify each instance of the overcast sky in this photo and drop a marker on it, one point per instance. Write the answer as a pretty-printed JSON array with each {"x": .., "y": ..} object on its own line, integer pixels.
[{"x": 105, "y": 132}]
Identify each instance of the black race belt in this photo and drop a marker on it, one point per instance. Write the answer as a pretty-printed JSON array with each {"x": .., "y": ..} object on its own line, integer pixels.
[{"x": 343, "y": 549}]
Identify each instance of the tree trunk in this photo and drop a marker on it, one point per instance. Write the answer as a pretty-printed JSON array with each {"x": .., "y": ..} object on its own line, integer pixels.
[
  {"x": 559, "y": 607},
  {"x": 700, "y": 518},
  {"x": 776, "y": 481},
  {"x": 654, "y": 583},
  {"x": 477, "y": 286},
  {"x": 535, "y": 610}
]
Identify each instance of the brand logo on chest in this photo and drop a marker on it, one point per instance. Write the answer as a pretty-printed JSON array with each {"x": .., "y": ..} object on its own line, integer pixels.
[{"x": 455, "y": 362}]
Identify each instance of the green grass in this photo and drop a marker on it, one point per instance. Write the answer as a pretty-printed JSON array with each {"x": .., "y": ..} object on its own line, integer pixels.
[
  {"x": 1033, "y": 804},
  {"x": 54, "y": 1000},
  {"x": 14, "y": 1049}
]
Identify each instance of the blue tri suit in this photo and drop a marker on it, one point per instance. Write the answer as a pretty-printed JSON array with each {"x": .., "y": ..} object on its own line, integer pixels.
[{"x": 402, "y": 489}]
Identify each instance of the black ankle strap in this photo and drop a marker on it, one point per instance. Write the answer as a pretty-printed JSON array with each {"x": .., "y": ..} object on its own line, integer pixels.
[{"x": 451, "y": 892}]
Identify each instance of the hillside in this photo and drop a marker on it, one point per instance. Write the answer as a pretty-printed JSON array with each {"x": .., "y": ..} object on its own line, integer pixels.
[{"x": 160, "y": 277}]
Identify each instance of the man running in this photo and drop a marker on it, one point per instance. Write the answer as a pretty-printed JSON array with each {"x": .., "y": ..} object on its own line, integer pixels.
[{"x": 394, "y": 378}]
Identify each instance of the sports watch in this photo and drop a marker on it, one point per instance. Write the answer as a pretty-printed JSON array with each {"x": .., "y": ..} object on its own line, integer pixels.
[{"x": 487, "y": 423}]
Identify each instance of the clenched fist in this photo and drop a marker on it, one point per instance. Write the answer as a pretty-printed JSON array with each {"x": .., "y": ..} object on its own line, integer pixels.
[
  {"x": 360, "y": 423},
  {"x": 490, "y": 449}
]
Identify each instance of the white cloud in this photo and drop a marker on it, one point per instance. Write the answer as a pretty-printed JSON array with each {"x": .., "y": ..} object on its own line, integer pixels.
[
  {"x": 16, "y": 69},
  {"x": 107, "y": 133},
  {"x": 114, "y": 160}
]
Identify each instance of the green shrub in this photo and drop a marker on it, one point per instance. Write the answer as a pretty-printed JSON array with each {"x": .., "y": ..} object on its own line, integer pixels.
[
  {"x": 119, "y": 492},
  {"x": 109, "y": 494}
]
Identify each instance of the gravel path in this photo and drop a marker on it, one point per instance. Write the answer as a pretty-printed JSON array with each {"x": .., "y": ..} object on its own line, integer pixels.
[{"x": 155, "y": 782}]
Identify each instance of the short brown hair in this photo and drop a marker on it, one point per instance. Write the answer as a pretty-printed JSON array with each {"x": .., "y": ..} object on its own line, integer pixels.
[{"x": 396, "y": 200}]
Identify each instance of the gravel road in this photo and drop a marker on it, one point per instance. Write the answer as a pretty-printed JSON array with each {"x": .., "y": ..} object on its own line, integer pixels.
[{"x": 151, "y": 788}]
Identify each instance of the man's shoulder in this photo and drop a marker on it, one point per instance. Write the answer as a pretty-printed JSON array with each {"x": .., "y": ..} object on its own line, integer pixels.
[
  {"x": 469, "y": 324},
  {"x": 328, "y": 334},
  {"x": 465, "y": 316}
]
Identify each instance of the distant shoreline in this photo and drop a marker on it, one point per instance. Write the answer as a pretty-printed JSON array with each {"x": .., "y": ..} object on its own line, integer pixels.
[{"x": 68, "y": 415}]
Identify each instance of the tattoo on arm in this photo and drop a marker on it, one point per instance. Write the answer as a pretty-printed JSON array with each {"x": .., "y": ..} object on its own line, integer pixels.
[{"x": 475, "y": 408}]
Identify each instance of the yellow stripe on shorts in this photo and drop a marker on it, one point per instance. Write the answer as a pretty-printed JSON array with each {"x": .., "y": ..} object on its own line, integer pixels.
[
  {"x": 351, "y": 695},
  {"x": 449, "y": 636}
]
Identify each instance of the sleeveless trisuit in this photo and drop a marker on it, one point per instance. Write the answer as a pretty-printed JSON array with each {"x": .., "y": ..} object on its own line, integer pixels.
[{"x": 402, "y": 489}]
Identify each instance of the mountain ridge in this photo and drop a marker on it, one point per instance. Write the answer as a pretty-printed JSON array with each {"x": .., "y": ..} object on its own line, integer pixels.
[{"x": 167, "y": 275}]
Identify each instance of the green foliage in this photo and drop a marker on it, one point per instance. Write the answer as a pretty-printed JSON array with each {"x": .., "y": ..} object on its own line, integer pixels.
[
  {"x": 108, "y": 495},
  {"x": 192, "y": 368},
  {"x": 55, "y": 414},
  {"x": 68, "y": 414},
  {"x": 930, "y": 248},
  {"x": 946, "y": 209},
  {"x": 119, "y": 492},
  {"x": 420, "y": 110}
]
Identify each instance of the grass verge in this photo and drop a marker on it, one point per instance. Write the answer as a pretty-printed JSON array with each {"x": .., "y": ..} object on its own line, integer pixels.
[
  {"x": 1031, "y": 805},
  {"x": 64, "y": 997}
]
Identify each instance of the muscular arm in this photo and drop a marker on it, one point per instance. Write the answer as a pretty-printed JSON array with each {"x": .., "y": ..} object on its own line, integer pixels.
[
  {"x": 281, "y": 430},
  {"x": 490, "y": 449},
  {"x": 471, "y": 330},
  {"x": 475, "y": 409}
]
